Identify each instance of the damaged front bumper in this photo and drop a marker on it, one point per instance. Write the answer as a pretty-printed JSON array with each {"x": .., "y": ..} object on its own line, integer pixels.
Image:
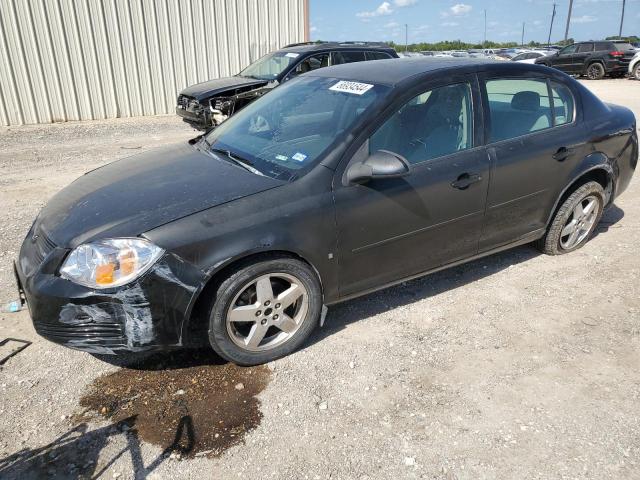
[{"x": 147, "y": 314}]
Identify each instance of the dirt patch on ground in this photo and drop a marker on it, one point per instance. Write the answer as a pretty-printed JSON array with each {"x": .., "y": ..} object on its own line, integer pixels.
[{"x": 183, "y": 407}]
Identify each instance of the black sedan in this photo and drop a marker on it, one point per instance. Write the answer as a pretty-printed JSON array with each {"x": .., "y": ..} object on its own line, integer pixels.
[{"x": 343, "y": 181}]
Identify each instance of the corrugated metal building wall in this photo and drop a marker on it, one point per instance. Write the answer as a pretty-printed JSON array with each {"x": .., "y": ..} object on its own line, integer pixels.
[{"x": 64, "y": 60}]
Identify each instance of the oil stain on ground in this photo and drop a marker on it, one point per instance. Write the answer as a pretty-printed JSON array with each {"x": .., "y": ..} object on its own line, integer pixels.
[{"x": 184, "y": 402}]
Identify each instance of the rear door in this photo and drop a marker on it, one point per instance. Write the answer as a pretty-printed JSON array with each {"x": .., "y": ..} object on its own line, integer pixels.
[
  {"x": 535, "y": 141},
  {"x": 389, "y": 229}
]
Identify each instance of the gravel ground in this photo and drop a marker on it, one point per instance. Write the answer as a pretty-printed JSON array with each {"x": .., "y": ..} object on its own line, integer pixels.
[{"x": 518, "y": 365}]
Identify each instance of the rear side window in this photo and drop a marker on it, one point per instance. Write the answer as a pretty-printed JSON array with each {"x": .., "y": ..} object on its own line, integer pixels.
[
  {"x": 377, "y": 56},
  {"x": 603, "y": 46},
  {"x": 347, "y": 57},
  {"x": 518, "y": 107},
  {"x": 563, "y": 104},
  {"x": 585, "y": 47}
]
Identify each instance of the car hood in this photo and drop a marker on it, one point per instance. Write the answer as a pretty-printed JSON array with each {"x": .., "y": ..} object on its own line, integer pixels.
[
  {"x": 203, "y": 90},
  {"x": 131, "y": 196}
]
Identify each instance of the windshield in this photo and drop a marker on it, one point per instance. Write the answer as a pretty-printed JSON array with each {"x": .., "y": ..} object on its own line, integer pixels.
[
  {"x": 286, "y": 131},
  {"x": 270, "y": 66}
]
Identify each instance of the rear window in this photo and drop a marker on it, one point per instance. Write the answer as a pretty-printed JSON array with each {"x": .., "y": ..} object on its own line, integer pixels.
[
  {"x": 347, "y": 57},
  {"x": 585, "y": 47},
  {"x": 377, "y": 56}
]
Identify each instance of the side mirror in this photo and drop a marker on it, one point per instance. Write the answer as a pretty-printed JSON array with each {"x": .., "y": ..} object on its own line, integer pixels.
[{"x": 382, "y": 164}]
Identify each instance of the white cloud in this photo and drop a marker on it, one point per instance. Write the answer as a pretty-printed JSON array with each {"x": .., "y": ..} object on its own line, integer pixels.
[
  {"x": 383, "y": 9},
  {"x": 584, "y": 19},
  {"x": 460, "y": 9},
  {"x": 391, "y": 25},
  {"x": 449, "y": 24},
  {"x": 404, "y": 3},
  {"x": 313, "y": 28}
]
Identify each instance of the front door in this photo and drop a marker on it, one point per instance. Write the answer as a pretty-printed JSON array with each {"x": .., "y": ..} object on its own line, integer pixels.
[
  {"x": 584, "y": 51},
  {"x": 389, "y": 229},
  {"x": 564, "y": 59}
]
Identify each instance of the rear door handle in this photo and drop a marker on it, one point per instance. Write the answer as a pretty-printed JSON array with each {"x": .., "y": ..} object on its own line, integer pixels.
[
  {"x": 563, "y": 153},
  {"x": 464, "y": 180}
]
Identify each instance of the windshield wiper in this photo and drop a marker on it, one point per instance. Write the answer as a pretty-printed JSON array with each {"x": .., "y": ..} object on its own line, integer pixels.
[{"x": 246, "y": 164}]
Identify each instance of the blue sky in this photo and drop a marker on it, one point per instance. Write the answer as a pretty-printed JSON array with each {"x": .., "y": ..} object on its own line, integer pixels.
[{"x": 434, "y": 20}]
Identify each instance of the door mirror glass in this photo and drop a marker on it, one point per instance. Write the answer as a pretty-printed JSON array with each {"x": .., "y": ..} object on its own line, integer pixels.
[{"x": 382, "y": 164}]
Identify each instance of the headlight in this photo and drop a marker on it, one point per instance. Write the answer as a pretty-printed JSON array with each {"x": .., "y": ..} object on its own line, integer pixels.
[{"x": 110, "y": 263}]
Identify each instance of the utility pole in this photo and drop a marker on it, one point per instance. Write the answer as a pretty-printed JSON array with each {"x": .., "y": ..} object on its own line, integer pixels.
[
  {"x": 566, "y": 31},
  {"x": 522, "y": 39},
  {"x": 621, "y": 19},
  {"x": 485, "y": 27},
  {"x": 406, "y": 37},
  {"x": 553, "y": 15}
]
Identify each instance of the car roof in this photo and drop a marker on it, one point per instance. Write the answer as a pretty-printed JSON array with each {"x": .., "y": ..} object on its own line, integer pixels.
[
  {"x": 393, "y": 71},
  {"x": 318, "y": 46}
]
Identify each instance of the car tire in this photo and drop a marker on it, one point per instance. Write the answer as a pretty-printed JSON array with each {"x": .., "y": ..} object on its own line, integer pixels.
[
  {"x": 570, "y": 229},
  {"x": 635, "y": 72},
  {"x": 252, "y": 321},
  {"x": 595, "y": 71}
]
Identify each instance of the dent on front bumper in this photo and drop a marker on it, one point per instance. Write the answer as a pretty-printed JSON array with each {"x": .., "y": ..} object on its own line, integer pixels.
[{"x": 148, "y": 314}]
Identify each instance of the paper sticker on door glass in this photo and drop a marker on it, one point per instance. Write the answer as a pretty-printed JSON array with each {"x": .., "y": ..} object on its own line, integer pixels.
[
  {"x": 351, "y": 87},
  {"x": 292, "y": 55},
  {"x": 282, "y": 158},
  {"x": 299, "y": 157}
]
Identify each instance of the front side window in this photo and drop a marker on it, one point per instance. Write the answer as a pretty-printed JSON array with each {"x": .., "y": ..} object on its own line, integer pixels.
[
  {"x": 563, "y": 104},
  {"x": 518, "y": 107},
  {"x": 289, "y": 129},
  {"x": 569, "y": 50},
  {"x": 435, "y": 123},
  {"x": 311, "y": 63}
]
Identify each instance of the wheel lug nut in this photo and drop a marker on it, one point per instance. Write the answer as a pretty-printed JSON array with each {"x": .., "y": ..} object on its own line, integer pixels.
[
  {"x": 263, "y": 322},
  {"x": 258, "y": 313},
  {"x": 277, "y": 305},
  {"x": 276, "y": 316},
  {"x": 267, "y": 303}
]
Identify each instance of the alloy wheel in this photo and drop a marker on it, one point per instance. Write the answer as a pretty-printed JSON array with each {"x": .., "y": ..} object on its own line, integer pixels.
[
  {"x": 579, "y": 223},
  {"x": 267, "y": 311},
  {"x": 593, "y": 71}
]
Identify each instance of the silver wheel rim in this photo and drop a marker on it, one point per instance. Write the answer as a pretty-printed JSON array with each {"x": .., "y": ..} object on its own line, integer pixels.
[
  {"x": 267, "y": 311},
  {"x": 637, "y": 73},
  {"x": 580, "y": 222},
  {"x": 594, "y": 71}
]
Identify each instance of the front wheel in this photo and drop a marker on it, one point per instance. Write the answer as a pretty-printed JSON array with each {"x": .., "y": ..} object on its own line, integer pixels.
[
  {"x": 595, "y": 71},
  {"x": 575, "y": 220},
  {"x": 264, "y": 311},
  {"x": 635, "y": 73}
]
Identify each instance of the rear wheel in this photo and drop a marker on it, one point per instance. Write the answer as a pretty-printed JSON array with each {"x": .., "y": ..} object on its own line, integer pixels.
[
  {"x": 265, "y": 311},
  {"x": 595, "y": 71},
  {"x": 575, "y": 220}
]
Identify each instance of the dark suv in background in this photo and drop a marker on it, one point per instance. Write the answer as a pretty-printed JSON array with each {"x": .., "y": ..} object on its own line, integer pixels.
[
  {"x": 593, "y": 59},
  {"x": 205, "y": 105}
]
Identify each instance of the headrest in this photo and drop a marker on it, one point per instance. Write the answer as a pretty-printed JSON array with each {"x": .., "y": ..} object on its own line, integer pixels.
[{"x": 529, "y": 101}]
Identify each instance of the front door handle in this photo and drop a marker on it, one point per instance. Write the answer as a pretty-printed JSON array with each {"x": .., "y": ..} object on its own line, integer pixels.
[
  {"x": 466, "y": 179},
  {"x": 562, "y": 154}
]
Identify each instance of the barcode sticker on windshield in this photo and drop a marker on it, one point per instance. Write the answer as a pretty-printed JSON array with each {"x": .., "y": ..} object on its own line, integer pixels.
[
  {"x": 292, "y": 55},
  {"x": 351, "y": 87}
]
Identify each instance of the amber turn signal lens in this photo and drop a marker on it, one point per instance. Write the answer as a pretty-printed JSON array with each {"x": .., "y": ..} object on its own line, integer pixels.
[{"x": 104, "y": 273}]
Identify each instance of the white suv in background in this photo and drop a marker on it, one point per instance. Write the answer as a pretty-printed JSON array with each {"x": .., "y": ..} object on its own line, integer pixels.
[{"x": 634, "y": 66}]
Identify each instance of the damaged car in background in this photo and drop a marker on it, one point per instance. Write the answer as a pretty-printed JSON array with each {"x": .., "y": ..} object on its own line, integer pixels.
[
  {"x": 208, "y": 104},
  {"x": 341, "y": 182}
]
